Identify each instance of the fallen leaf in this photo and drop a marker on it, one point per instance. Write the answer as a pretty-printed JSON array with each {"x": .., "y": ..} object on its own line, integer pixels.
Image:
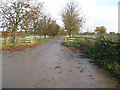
[
  {"x": 73, "y": 48},
  {"x": 82, "y": 55},
  {"x": 60, "y": 72},
  {"x": 81, "y": 70},
  {"x": 20, "y": 47},
  {"x": 90, "y": 61},
  {"x": 90, "y": 75},
  {"x": 57, "y": 67}
]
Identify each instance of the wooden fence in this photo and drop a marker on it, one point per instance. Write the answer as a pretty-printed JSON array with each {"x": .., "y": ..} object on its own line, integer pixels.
[
  {"x": 77, "y": 39},
  {"x": 20, "y": 40},
  {"x": 30, "y": 39}
]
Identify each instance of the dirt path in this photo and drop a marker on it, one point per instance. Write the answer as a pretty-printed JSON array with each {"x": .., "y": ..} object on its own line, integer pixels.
[{"x": 51, "y": 65}]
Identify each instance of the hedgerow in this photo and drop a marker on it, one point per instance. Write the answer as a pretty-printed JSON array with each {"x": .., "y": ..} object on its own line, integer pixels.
[{"x": 105, "y": 51}]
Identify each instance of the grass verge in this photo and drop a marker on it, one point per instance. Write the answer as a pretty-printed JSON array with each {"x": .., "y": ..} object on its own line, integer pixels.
[
  {"x": 23, "y": 46},
  {"x": 104, "y": 52}
]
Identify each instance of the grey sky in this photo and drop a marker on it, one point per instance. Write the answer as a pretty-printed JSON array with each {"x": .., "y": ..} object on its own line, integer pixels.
[{"x": 98, "y": 12}]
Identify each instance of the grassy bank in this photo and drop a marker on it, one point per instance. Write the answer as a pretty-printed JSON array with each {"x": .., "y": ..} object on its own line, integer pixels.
[
  {"x": 104, "y": 51},
  {"x": 22, "y": 46}
]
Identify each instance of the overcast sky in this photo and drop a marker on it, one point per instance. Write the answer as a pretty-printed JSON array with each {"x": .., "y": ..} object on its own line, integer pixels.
[{"x": 97, "y": 12}]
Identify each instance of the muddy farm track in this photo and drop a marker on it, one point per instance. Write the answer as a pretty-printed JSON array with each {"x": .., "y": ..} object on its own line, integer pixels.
[{"x": 51, "y": 65}]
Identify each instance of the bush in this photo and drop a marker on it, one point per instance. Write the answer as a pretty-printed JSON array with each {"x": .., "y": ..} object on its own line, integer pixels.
[{"x": 105, "y": 52}]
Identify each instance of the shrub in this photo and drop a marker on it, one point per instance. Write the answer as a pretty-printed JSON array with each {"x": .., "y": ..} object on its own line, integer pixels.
[{"x": 105, "y": 51}]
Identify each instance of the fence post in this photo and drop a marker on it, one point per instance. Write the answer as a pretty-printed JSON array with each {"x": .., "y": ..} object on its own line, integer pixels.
[
  {"x": 32, "y": 39},
  {"x": 67, "y": 39},
  {"x": 76, "y": 39}
]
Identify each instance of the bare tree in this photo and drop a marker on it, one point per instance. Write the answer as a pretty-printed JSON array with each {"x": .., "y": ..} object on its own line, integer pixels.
[
  {"x": 20, "y": 15},
  {"x": 44, "y": 25},
  {"x": 72, "y": 17},
  {"x": 55, "y": 29},
  {"x": 13, "y": 15},
  {"x": 37, "y": 14}
]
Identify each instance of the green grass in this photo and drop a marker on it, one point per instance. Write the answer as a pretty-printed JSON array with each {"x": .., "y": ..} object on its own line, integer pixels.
[
  {"x": 90, "y": 36},
  {"x": 26, "y": 43}
]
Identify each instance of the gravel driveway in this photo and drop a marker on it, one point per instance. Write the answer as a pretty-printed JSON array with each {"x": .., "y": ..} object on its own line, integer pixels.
[{"x": 51, "y": 65}]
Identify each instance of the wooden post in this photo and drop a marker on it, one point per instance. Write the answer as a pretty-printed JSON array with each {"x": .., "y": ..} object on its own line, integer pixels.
[
  {"x": 67, "y": 39},
  {"x": 76, "y": 39},
  {"x": 32, "y": 39}
]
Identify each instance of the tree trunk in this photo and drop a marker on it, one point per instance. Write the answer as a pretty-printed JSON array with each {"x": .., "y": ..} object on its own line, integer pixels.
[
  {"x": 34, "y": 32},
  {"x": 44, "y": 36},
  {"x": 70, "y": 33},
  {"x": 15, "y": 36}
]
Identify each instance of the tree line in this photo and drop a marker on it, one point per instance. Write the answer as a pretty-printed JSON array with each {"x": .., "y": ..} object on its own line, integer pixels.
[
  {"x": 22, "y": 17},
  {"x": 27, "y": 17}
]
